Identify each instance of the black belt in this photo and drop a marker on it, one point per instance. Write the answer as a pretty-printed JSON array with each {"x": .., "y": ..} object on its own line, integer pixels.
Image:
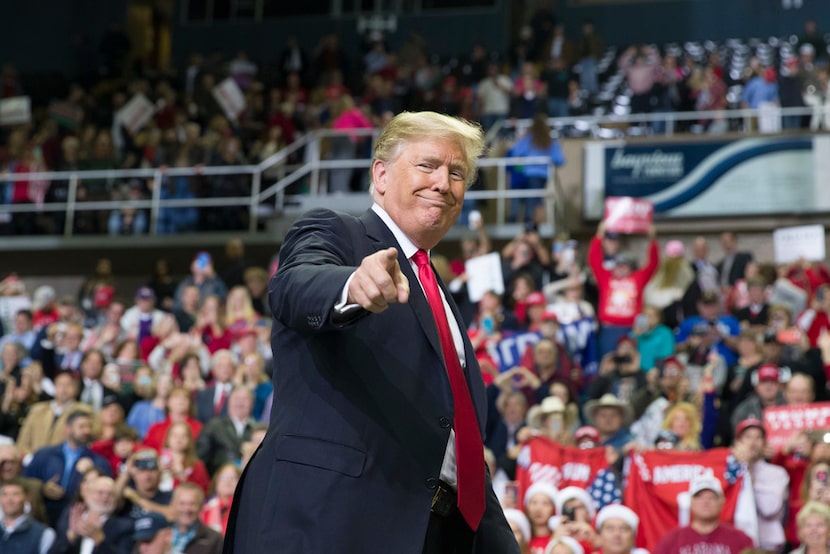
[{"x": 445, "y": 500}]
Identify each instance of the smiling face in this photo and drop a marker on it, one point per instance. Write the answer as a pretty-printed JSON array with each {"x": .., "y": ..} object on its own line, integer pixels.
[{"x": 422, "y": 188}]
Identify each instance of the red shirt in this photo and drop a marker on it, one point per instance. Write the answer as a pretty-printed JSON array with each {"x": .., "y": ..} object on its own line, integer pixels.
[
  {"x": 537, "y": 544},
  {"x": 686, "y": 540},
  {"x": 620, "y": 299},
  {"x": 157, "y": 432}
]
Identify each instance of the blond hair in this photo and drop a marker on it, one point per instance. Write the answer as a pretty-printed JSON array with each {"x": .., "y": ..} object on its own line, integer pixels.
[
  {"x": 415, "y": 126},
  {"x": 692, "y": 440}
]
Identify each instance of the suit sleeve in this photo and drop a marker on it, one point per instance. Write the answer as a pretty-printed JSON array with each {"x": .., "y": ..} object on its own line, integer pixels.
[{"x": 316, "y": 260}]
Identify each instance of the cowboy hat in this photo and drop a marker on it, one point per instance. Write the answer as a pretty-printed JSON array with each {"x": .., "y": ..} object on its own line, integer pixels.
[
  {"x": 537, "y": 413},
  {"x": 608, "y": 400}
]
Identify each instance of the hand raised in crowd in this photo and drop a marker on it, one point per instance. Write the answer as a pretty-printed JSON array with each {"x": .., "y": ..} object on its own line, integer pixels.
[
  {"x": 52, "y": 490},
  {"x": 798, "y": 444},
  {"x": 378, "y": 282}
]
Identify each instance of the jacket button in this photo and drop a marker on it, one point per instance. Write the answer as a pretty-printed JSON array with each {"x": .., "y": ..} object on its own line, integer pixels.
[
  {"x": 432, "y": 483},
  {"x": 444, "y": 422}
]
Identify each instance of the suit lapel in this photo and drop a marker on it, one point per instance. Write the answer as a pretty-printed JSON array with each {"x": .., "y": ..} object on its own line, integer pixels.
[{"x": 378, "y": 232}]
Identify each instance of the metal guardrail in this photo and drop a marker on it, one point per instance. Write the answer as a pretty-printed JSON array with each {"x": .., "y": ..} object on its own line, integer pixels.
[{"x": 272, "y": 193}]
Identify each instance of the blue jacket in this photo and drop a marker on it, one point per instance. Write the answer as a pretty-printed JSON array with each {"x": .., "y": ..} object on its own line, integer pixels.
[{"x": 48, "y": 462}]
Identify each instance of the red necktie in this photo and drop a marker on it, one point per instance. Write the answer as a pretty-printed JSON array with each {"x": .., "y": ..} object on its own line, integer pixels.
[
  {"x": 217, "y": 409},
  {"x": 469, "y": 449}
]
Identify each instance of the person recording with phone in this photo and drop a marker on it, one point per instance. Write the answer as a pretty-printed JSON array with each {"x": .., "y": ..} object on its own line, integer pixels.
[
  {"x": 619, "y": 372},
  {"x": 202, "y": 275}
]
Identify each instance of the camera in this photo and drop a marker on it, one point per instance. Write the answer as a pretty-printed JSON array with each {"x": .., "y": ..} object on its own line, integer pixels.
[
  {"x": 624, "y": 359},
  {"x": 569, "y": 512}
]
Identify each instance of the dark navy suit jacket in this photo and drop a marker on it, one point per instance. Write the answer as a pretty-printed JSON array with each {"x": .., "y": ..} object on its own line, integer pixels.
[{"x": 362, "y": 412}]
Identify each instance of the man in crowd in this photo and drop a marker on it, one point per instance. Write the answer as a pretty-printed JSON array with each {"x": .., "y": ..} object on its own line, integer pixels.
[
  {"x": 770, "y": 483},
  {"x": 220, "y": 441},
  {"x": 11, "y": 468},
  {"x": 189, "y": 535},
  {"x": 705, "y": 533},
  {"x": 138, "y": 486},
  {"x": 91, "y": 526},
  {"x": 140, "y": 318},
  {"x": 152, "y": 534},
  {"x": 60, "y": 467},
  {"x": 20, "y": 532},
  {"x": 769, "y": 380},
  {"x": 617, "y": 528},
  {"x": 611, "y": 417},
  {"x": 45, "y": 424},
  {"x": 724, "y": 329},
  {"x": 212, "y": 401},
  {"x": 23, "y": 331},
  {"x": 620, "y": 289},
  {"x": 733, "y": 265}
]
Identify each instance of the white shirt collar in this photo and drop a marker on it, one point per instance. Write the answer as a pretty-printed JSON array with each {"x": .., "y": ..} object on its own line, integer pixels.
[{"x": 407, "y": 246}]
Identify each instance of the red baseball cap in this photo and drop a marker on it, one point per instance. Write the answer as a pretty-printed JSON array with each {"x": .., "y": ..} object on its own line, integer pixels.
[
  {"x": 550, "y": 316},
  {"x": 747, "y": 423},
  {"x": 586, "y": 432},
  {"x": 769, "y": 372},
  {"x": 536, "y": 298}
]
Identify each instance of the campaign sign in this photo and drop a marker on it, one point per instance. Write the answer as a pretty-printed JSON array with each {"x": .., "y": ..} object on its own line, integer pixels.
[
  {"x": 136, "y": 113},
  {"x": 794, "y": 243},
  {"x": 484, "y": 275},
  {"x": 627, "y": 215},
  {"x": 782, "y": 422},
  {"x": 229, "y": 96},
  {"x": 16, "y": 110}
]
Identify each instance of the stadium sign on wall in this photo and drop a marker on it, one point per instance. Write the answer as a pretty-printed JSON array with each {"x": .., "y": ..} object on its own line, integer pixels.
[{"x": 753, "y": 176}]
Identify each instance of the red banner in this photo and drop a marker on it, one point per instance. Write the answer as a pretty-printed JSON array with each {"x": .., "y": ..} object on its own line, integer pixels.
[
  {"x": 627, "y": 215},
  {"x": 782, "y": 422},
  {"x": 543, "y": 460},
  {"x": 658, "y": 482}
]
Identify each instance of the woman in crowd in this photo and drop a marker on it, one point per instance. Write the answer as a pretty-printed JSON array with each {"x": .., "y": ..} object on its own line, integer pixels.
[
  {"x": 684, "y": 420},
  {"x": 655, "y": 341},
  {"x": 191, "y": 374},
  {"x": 251, "y": 373},
  {"x": 217, "y": 508},
  {"x": 813, "y": 529},
  {"x": 111, "y": 417},
  {"x": 179, "y": 410},
  {"x": 179, "y": 462},
  {"x": 537, "y": 142},
  {"x": 666, "y": 289},
  {"x": 153, "y": 392},
  {"x": 540, "y": 506},
  {"x": 239, "y": 311},
  {"x": 210, "y": 325}
]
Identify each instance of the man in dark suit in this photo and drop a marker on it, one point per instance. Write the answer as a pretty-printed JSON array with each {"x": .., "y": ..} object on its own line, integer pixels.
[
  {"x": 220, "y": 442},
  {"x": 733, "y": 265},
  {"x": 375, "y": 439},
  {"x": 212, "y": 401}
]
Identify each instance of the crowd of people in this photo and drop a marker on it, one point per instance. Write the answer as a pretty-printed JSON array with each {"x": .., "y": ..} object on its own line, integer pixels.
[
  {"x": 127, "y": 417},
  {"x": 122, "y": 414},
  {"x": 127, "y": 423},
  {"x": 546, "y": 71}
]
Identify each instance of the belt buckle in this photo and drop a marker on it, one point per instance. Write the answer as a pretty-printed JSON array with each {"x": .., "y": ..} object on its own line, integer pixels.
[{"x": 444, "y": 500}]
